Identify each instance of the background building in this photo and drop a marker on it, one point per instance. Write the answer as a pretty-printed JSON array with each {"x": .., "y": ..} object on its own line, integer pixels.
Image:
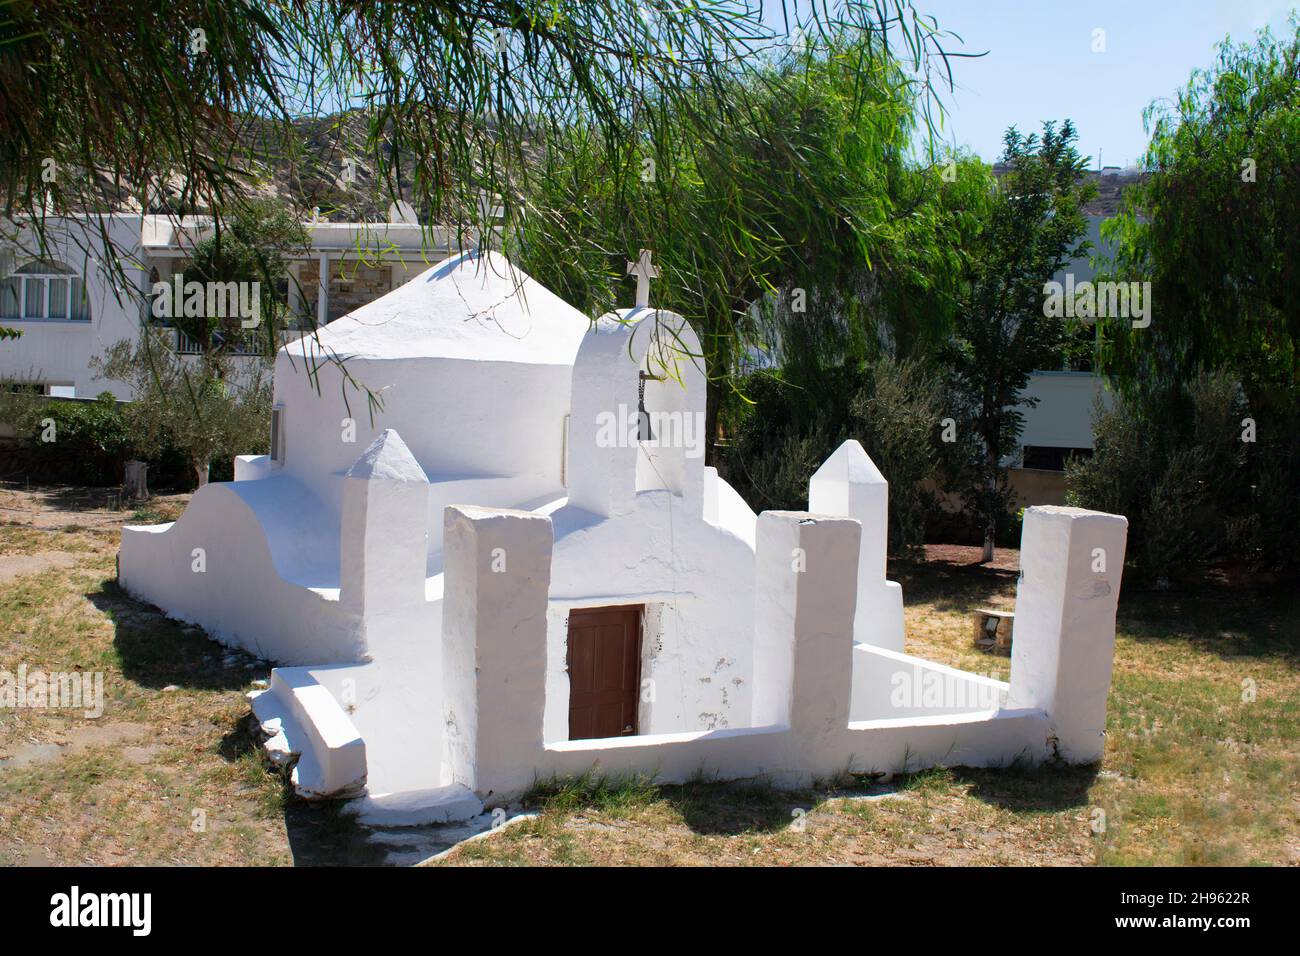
[{"x": 72, "y": 305}]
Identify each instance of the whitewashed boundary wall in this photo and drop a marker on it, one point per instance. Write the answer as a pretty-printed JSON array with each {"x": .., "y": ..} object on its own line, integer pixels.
[{"x": 494, "y": 658}]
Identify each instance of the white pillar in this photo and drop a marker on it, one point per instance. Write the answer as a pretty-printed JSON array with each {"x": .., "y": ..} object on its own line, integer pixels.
[
  {"x": 849, "y": 483},
  {"x": 295, "y": 291},
  {"x": 1071, "y": 562},
  {"x": 604, "y": 454},
  {"x": 323, "y": 291},
  {"x": 497, "y": 577},
  {"x": 805, "y": 594},
  {"x": 384, "y": 536}
]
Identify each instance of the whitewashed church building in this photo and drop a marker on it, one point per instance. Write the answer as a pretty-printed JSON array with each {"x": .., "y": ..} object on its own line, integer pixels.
[{"x": 510, "y": 573}]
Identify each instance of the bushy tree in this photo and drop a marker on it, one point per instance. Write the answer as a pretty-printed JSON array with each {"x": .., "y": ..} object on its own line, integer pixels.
[
  {"x": 207, "y": 406},
  {"x": 447, "y": 104},
  {"x": 1201, "y": 450},
  {"x": 773, "y": 190},
  {"x": 893, "y": 415},
  {"x": 1194, "y": 491},
  {"x": 81, "y": 441},
  {"x": 252, "y": 248},
  {"x": 1213, "y": 228},
  {"x": 182, "y": 105},
  {"x": 1001, "y": 330}
]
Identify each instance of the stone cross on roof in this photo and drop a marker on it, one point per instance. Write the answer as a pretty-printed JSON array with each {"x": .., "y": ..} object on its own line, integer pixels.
[{"x": 644, "y": 272}]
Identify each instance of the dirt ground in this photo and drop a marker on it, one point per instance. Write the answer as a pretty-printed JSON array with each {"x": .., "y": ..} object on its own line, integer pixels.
[{"x": 86, "y": 509}]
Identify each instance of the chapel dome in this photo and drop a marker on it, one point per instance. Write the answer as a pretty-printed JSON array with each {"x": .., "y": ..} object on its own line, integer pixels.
[{"x": 474, "y": 306}]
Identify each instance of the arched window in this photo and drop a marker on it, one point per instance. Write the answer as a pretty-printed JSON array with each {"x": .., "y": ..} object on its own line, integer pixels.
[{"x": 43, "y": 289}]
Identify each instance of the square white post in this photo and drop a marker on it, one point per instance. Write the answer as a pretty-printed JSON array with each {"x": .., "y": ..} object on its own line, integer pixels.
[
  {"x": 497, "y": 574},
  {"x": 383, "y": 537},
  {"x": 1071, "y": 562},
  {"x": 849, "y": 483},
  {"x": 806, "y": 570}
]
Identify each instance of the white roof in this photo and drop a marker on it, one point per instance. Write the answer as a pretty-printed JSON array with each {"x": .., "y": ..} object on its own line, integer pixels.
[
  {"x": 388, "y": 459},
  {"x": 476, "y": 307},
  {"x": 850, "y": 465}
]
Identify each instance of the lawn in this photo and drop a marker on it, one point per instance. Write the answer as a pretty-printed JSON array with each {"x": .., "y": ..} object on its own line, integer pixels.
[{"x": 1202, "y": 760}]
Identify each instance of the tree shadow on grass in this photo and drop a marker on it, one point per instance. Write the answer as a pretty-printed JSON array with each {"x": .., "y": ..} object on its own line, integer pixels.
[
  {"x": 70, "y": 498},
  {"x": 319, "y": 833},
  {"x": 952, "y": 585},
  {"x": 749, "y": 807},
  {"x": 728, "y": 809},
  {"x": 707, "y": 807},
  {"x": 1229, "y": 622},
  {"x": 1020, "y": 788},
  {"x": 157, "y": 652},
  {"x": 240, "y": 740}
]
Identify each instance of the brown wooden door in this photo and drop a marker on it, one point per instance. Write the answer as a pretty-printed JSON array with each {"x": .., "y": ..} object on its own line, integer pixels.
[{"x": 604, "y": 662}]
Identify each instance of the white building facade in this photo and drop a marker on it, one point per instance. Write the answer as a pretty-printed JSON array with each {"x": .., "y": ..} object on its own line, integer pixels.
[{"x": 85, "y": 285}]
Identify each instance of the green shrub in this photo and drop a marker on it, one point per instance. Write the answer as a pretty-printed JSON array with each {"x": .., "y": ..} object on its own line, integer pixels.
[
  {"x": 83, "y": 442},
  {"x": 784, "y": 432},
  {"x": 91, "y": 441},
  {"x": 1195, "y": 491},
  {"x": 895, "y": 415}
]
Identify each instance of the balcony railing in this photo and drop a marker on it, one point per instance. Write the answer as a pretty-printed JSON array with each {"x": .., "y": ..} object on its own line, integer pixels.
[{"x": 184, "y": 344}]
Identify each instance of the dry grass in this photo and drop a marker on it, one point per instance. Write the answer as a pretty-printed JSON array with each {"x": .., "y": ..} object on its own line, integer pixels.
[
  {"x": 162, "y": 777},
  {"x": 1193, "y": 772}
]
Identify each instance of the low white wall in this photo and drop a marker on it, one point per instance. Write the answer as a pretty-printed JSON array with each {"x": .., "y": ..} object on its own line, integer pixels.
[
  {"x": 263, "y": 565},
  {"x": 848, "y": 483},
  {"x": 214, "y": 568},
  {"x": 806, "y": 620},
  {"x": 724, "y": 507},
  {"x": 887, "y": 684},
  {"x": 1071, "y": 564},
  {"x": 252, "y": 467}
]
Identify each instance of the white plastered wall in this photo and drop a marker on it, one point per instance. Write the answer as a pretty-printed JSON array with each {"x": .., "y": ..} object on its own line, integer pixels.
[
  {"x": 58, "y": 351},
  {"x": 849, "y": 483},
  {"x": 617, "y": 545},
  {"x": 482, "y": 431},
  {"x": 802, "y": 638}
]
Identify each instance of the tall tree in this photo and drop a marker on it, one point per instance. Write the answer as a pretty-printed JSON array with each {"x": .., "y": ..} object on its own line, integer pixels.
[
  {"x": 771, "y": 191},
  {"x": 1213, "y": 228},
  {"x": 1200, "y": 449},
  {"x": 210, "y": 406},
  {"x": 1002, "y": 329},
  {"x": 450, "y": 98},
  {"x": 251, "y": 249},
  {"x": 187, "y": 105}
]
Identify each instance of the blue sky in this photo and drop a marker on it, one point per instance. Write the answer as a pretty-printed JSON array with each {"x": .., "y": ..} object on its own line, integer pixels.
[{"x": 1040, "y": 64}]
